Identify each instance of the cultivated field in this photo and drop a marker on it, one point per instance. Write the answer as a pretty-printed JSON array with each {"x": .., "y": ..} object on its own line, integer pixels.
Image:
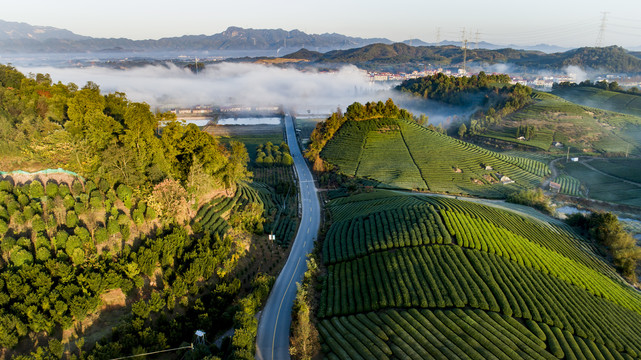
[
  {"x": 602, "y": 99},
  {"x": 402, "y": 154},
  {"x": 417, "y": 277},
  {"x": 584, "y": 129},
  {"x": 601, "y": 186}
]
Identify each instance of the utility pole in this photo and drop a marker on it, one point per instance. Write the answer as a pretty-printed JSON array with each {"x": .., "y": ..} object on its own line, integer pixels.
[
  {"x": 568, "y": 157},
  {"x": 599, "y": 39}
]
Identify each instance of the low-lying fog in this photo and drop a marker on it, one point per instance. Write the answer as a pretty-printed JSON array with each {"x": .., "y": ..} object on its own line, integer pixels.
[{"x": 311, "y": 91}]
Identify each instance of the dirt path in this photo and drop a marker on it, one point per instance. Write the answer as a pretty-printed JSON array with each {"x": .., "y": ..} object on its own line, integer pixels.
[{"x": 554, "y": 173}]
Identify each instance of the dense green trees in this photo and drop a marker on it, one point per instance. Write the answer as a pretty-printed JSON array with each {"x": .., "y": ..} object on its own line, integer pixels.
[
  {"x": 493, "y": 93},
  {"x": 325, "y": 130},
  {"x": 603, "y": 84},
  {"x": 105, "y": 136},
  {"x": 268, "y": 155},
  {"x": 608, "y": 231},
  {"x": 64, "y": 245}
]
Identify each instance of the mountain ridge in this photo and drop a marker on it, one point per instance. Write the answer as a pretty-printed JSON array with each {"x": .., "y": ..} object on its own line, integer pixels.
[{"x": 23, "y": 37}]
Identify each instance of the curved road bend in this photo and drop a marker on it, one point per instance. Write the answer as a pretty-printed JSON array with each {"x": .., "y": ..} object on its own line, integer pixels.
[{"x": 272, "y": 339}]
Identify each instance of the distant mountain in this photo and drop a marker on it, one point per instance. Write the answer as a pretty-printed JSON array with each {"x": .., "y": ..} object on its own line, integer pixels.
[
  {"x": 547, "y": 48},
  {"x": 20, "y": 37},
  {"x": 610, "y": 59},
  {"x": 22, "y": 31}
]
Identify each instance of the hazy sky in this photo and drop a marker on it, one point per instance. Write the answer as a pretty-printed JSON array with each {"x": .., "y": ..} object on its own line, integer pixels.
[{"x": 558, "y": 22}]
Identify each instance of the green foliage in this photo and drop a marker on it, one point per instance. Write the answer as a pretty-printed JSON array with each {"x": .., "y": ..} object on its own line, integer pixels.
[
  {"x": 606, "y": 229},
  {"x": 51, "y": 190},
  {"x": 269, "y": 155},
  {"x": 452, "y": 89},
  {"x": 50, "y": 279},
  {"x": 534, "y": 198},
  {"x": 325, "y": 130},
  {"x": 394, "y": 291},
  {"x": 71, "y": 220},
  {"x": 36, "y": 190},
  {"x": 402, "y": 154}
]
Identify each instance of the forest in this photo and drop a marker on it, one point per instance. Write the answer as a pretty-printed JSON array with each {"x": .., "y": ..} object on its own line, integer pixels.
[
  {"x": 125, "y": 240},
  {"x": 494, "y": 96}
]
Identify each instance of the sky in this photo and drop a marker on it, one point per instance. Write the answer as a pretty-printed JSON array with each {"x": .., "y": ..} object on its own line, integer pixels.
[{"x": 557, "y": 22}]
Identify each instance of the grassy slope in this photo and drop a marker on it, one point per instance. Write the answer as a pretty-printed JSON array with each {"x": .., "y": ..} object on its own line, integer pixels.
[
  {"x": 581, "y": 127},
  {"x": 423, "y": 277},
  {"x": 608, "y": 188},
  {"x": 602, "y": 99},
  {"x": 401, "y": 154}
]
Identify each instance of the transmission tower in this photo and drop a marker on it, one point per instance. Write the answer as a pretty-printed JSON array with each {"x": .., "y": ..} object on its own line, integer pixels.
[
  {"x": 438, "y": 35},
  {"x": 464, "y": 44},
  {"x": 599, "y": 39},
  {"x": 477, "y": 39}
]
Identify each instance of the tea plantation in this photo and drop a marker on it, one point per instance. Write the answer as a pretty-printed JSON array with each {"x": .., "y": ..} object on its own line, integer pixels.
[
  {"x": 417, "y": 277},
  {"x": 402, "y": 154}
]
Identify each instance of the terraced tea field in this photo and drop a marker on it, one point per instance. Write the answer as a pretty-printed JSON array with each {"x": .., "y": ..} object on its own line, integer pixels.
[
  {"x": 417, "y": 277},
  {"x": 402, "y": 154},
  {"x": 584, "y": 128}
]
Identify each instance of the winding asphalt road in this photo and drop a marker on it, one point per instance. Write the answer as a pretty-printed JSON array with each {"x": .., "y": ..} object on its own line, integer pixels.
[{"x": 272, "y": 339}]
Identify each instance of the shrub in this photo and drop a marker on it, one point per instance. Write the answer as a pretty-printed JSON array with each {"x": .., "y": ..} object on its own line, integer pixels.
[
  {"x": 63, "y": 190},
  {"x": 36, "y": 190},
  {"x": 52, "y": 189},
  {"x": 72, "y": 219},
  {"x": 534, "y": 198},
  {"x": 21, "y": 257},
  {"x": 77, "y": 188},
  {"x": 124, "y": 192},
  {"x": 5, "y": 185},
  {"x": 61, "y": 239},
  {"x": 68, "y": 201},
  {"x": 101, "y": 235}
]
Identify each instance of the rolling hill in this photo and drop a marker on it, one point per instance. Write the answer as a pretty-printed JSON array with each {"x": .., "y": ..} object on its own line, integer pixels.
[
  {"x": 585, "y": 129},
  {"x": 401, "y": 154},
  {"x": 417, "y": 277},
  {"x": 608, "y": 59},
  {"x": 602, "y": 99}
]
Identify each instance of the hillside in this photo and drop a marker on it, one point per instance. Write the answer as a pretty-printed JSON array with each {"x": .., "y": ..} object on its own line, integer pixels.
[
  {"x": 506, "y": 112},
  {"x": 609, "y": 59},
  {"x": 125, "y": 241},
  {"x": 585, "y": 129},
  {"x": 402, "y": 154},
  {"x": 417, "y": 277},
  {"x": 602, "y": 99}
]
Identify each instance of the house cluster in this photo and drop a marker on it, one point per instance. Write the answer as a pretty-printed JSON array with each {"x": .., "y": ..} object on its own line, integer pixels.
[
  {"x": 388, "y": 76},
  {"x": 542, "y": 82},
  {"x": 196, "y": 110},
  {"x": 201, "y": 110}
]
